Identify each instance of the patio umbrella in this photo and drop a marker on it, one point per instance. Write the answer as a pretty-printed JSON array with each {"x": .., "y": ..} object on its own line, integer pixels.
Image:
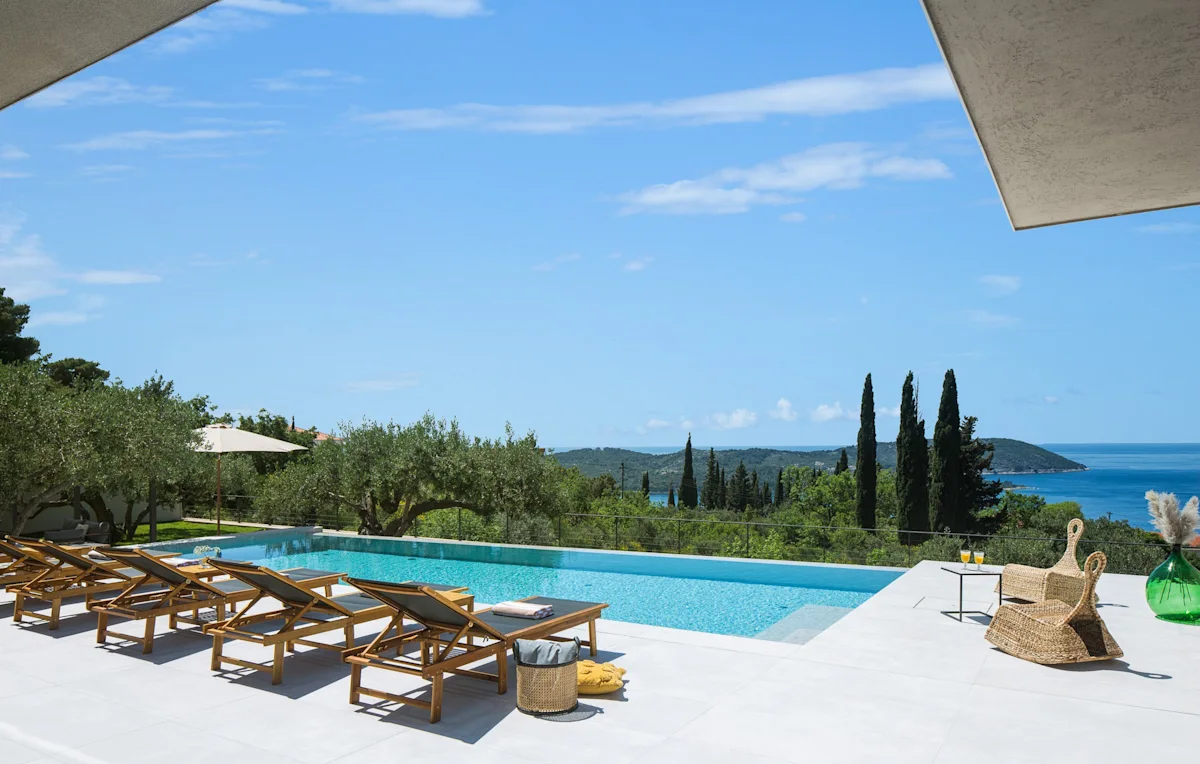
[{"x": 226, "y": 439}]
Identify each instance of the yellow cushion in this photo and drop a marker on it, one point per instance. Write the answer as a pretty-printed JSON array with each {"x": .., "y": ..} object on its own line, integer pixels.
[{"x": 599, "y": 678}]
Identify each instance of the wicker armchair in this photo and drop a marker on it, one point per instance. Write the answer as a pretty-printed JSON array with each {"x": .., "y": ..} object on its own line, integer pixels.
[
  {"x": 1063, "y": 582},
  {"x": 1054, "y": 632}
]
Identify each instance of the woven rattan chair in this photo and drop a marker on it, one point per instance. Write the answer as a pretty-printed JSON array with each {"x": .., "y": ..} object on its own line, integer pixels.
[
  {"x": 1054, "y": 632},
  {"x": 1063, "y": 582}
]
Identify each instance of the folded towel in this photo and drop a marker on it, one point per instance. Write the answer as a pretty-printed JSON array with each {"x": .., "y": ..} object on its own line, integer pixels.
[
  {"x": 97, "y": 555},
  {"x": 523, "y": 610}
]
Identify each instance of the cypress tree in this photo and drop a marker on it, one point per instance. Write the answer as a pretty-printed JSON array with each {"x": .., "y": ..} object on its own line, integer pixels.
[
  {"x": 723, "y": 499},
  {"x": 646, "y": 484},
  {"x": 739, "y": 488},
  {"x": 843, "y": 463},
  {"x": 866, "y": 475},
  {"x": 755, "y": 492},
  {"x": 779, "y": 488},
  {"x": 687, "y": 483},
  {"x": 766, "y": 495},
  {"x": 710, "y": 492},
  {"x": 671, "y": 495},
  {"x": 979, "y": 493},
  {"x": 912, "y": 469},
  {"x": 945, "y": 480}
]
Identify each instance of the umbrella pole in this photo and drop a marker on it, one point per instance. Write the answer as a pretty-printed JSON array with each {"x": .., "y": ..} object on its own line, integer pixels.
[{"x": 218, "y": 493}]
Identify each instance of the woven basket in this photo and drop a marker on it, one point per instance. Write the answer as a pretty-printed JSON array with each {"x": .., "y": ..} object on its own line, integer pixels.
[
  {"x": 546, "y": 689},
  {"x": 1054, "y": 632}
]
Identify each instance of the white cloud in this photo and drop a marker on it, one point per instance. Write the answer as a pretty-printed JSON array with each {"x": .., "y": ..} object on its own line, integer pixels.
[
  {"x": 383, "y": 385},
  {"x": 105, "y": 171},
  {"x": 307, "y": 79},
  {"x": 13, "y": 174},
  {"x": 793, "y": 217},
  {"x": 1051, "y": 399},
  {"x": 447, "y": 9},
  {"x": 827, "y": 413},
  {"x": 734, "y": 420},
  {"x": 812, "y": 96},
  {"x": 118, "y": 277},
  {"x": 885, "y": 411},
  {"x": 637, "y": 264},
  {"x": 658, "y": 424},
  {"x": 736, "y": 189},
  {"x": 92, "y": 91},
  {"x": 139, "y": 140},
  {"x": 784, "y": 410},
  {"x": 9, "y": 153},
  {"x": 987, "y": 318},
  {"x": 1169, "y": 228},
  {"x": 1000, "y": 285}
]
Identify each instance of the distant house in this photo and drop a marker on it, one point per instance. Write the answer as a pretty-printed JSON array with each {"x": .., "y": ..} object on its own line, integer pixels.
[{"x": 320, "y": 438}]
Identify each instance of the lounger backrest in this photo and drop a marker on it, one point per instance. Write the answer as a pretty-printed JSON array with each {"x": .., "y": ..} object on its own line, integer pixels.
[
  {"x": 17, "y": 553},
  {"x": 69, "y": 556},
  {"x": 152, "y": 566},
  {"x": 417, "y": 603},
  {"x": 278, "y": 586}
]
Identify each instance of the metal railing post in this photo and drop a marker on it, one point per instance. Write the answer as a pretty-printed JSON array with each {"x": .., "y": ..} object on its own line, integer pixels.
[
  {"x": 507, "y": 527},
  {"x": 616, "y": 532},
  {"x": 560, "y": 536},
  {"x": 747, "y": 539},
  {"x": 678, "y": 536},
  {"x": 460, "y": 523}
]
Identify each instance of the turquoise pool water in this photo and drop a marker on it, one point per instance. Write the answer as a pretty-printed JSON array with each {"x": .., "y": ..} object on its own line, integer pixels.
[{"x": 719, "y": 596}]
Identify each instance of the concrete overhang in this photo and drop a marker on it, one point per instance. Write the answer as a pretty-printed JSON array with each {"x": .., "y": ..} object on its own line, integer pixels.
[
  {"x": 43, "y": 41},
  {"x": 1084, "y": 108}
]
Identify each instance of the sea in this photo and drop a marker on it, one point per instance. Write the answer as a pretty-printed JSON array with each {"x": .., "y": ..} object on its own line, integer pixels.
[{"x": 1114, "y": 485}]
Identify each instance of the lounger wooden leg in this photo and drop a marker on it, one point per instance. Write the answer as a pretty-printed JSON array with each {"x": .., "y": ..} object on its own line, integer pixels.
[
  {"x": 355, "y": 681},
  {"x": 55, "y": 608},
  {"x": 328, "y": 590},
  {"x": 218, "y": 644},
  {"x": 501, "y": 670},
  {"x": 148, "y": 640},
  {"x": 171, "y": 622},
  {"x": 349, "y": 637},
  {"x": 277, "y": 666},
  {"x": 291, "y": 646},
  {"x": 592, "y": 636},
  {"x": 101, "y": 628},
  {"x": 435, "y": 705},
  {"x": 18, "y": 608}
]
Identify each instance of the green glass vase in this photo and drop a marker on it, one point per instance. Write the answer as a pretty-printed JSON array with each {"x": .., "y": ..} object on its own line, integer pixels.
[{"x": 1173, "y": 589}]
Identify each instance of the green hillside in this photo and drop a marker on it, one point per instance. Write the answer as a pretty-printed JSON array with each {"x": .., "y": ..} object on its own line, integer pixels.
[{"x": 1012, "y": 457}]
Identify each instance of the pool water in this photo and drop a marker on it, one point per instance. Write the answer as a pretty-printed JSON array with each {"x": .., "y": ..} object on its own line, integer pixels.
[{"x": 718, "y": 596}]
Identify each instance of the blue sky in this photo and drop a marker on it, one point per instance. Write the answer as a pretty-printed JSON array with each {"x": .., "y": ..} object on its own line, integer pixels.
[{"x": 611, "y": 222}]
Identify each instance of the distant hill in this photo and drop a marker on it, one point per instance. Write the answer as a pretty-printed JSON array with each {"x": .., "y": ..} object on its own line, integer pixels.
[{"x": 1013, "y": 457}]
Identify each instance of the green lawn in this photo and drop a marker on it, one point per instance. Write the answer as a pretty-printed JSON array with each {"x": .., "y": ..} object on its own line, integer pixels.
[{"x": 183, "y": 530}]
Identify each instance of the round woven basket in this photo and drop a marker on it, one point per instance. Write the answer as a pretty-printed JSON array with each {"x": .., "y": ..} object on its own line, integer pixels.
[{"x": 547, "y": 689}]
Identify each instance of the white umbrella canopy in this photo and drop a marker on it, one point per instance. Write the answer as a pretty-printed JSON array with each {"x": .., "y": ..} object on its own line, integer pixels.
[{"x": 226, "y": 439}]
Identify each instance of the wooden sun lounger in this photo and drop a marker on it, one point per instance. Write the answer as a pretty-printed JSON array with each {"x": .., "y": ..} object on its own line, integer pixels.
[
  {"x": 437, "y": 616},
  {"x": 173, "y": 591},
  {"x": 24, "y": 563},
  {"x": 69, "y": 573},
  {"x": 304, "y": 614}
]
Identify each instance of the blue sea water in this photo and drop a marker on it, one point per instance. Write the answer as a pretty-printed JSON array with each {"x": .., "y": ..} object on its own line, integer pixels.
[{"x": 1118, "y": 476}]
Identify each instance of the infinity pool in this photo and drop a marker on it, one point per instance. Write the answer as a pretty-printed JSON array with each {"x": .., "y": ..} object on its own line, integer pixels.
[{"x": 716, "y": 595}]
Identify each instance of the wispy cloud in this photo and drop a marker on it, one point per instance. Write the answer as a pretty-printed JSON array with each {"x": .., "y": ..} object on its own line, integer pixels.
[
  {"x": 86, "y": 308},
  {"x": 10, "y": 153},
  {"x": 103, "y": 172},
  {"x": 736, "y": 190},
  {"x": 793, "y": 217},
  {"x": 1050, "y": 399},
  {"x": 208, "y": 26},
  {"x": 885, "y": 411},
  {"x": 1000, "y": 285},
  {"x": 658, "y": 424},
  {"x": 203, "y": 260},
  {"x": 988, "y": 318},
  {"x": 556, "y": 263},
  {"x": 307, "y": 79},
  {"x": 637, "y": 264},
  {"x": 734, "y": 420},
  {"x": 384, "y": 384},
  {"x": 13, "y": 174},
  {"x": 118, "y": 277},
  {"x": 92, "y": 91},
  {"x": 1169, "y": 228},
  {"x": 266, "y": 6},
  {"x": 447, "y": 9},
  {"x": 140, "y": 140},
  {"x": 784, "y": 410},
  {"x": 828, "y": 413},
  {"x": 812, "y": 96}
]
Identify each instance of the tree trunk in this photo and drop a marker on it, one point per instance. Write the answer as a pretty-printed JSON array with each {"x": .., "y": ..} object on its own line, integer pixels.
[
  {"x": 368, "y": 521},
  {"x": 401, "y": 523}
]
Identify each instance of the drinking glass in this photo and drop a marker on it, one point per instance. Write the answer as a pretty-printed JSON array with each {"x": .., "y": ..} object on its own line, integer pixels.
[
  {"x": 978, "y": 560},
  {"x": 965, "y": 555}
]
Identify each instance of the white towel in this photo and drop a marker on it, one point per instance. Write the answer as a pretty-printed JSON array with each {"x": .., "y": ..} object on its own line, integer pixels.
[{"x": 523, "y": 610}]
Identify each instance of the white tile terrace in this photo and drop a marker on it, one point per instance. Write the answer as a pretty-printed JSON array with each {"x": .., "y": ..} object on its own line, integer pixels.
[{"x": 894, "y": 681}]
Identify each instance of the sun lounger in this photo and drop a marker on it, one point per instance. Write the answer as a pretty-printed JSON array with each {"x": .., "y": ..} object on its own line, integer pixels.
[
  {"x": 304, "y": 615},
  {"x": 23, "y": 563},
  {"x": 69, "y": 573},
  {"x": 164, "y": 589},
  {"x": 473, "y": 636}
]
